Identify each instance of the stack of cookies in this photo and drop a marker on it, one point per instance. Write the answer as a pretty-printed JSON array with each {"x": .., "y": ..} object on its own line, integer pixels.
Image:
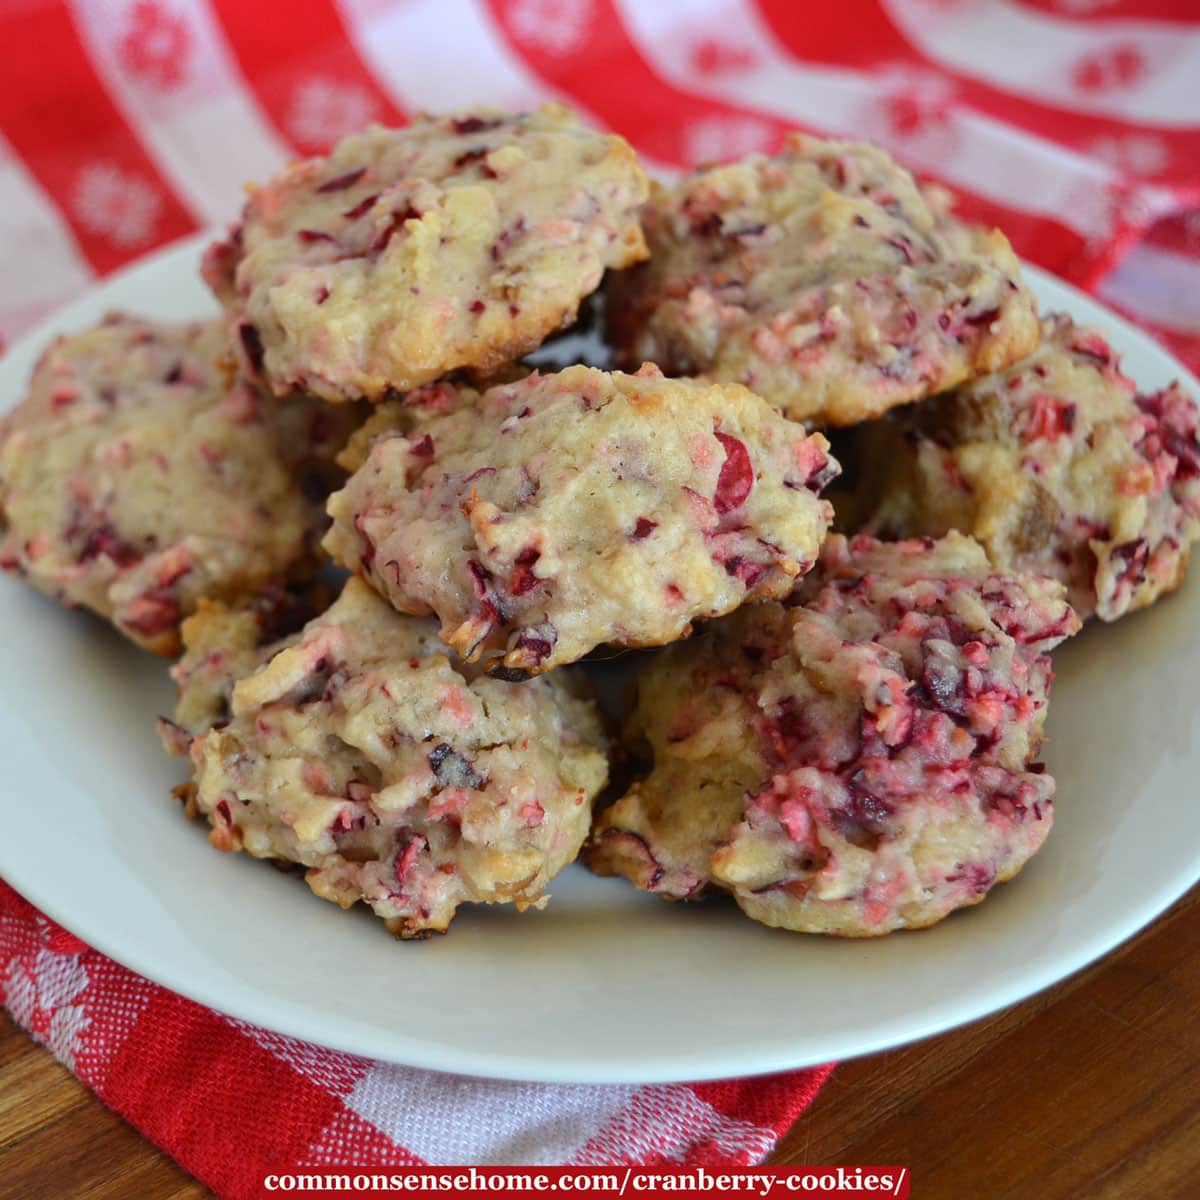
[{"x": 843, "y": 732}]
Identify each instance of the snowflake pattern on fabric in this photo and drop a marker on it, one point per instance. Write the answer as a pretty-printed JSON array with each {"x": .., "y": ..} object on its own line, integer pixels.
[
  {"x": 115, "y": 204},
  {"x": 325, "y": 110},
  {"x": 1133, "y": 153},
  {"x": 40, "y": 993},
  {"x": 715, "y": 55},
  {"x": 558, "y": 26},
  {"x": 1118, "y": 66},
  {"x": 156, "y": 45},
  {"x": 719, "y": 139}
]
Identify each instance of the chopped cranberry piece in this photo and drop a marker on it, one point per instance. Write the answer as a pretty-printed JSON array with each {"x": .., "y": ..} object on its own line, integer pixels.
[
  {"x": 174, "y": 375},
  {"x": 523, "y": 579},
  {"x": 386, "y": 233},
  {"x": 863, "y": 820},
  {"x": 983, "y": 318},
  {"x": 367, "y": 557},
  {"x": 748, "y": 572},
  {"x": 477, "y": 306},
  {"x": 474, "y": 124},
  {"x": 104, "y": 541},
  {"x": 408, "y": 850},
  {"x": 469, "y": 156},
  {"x": 538, "y": 642},
  {"x": 223, "y": 811},
  {"x": 1092, "y": 345},
  {"x": 322, "y": 294},
  {"x": 1049, "y": 417},
  {"x": 453, "y": 770},
  {"x": 153, "y": 612},
  {"x": 422, "y": 447},
  {"x": 308, "y": 236},
  {"x": 902, "y": 244},
  {"x": 736, "y": 479},
  {"x": 643, "y": 529},
  {"x": 251, "y": 344},
  {"x": 339, "y": 183},
  {"x": 363, "y": 206}
]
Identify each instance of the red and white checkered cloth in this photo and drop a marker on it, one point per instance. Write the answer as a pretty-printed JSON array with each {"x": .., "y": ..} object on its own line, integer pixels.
[{"x": 1072, "y": 124}]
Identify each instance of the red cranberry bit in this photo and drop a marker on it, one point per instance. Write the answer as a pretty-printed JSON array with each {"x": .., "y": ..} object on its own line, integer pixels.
[
  {"x": 902, "y": 244},
  {"x": 223, "y": 812},
  {"x": 538, "y": 642},
  {"x": 474, "y": 124},
  {"x": 174, "y": 375},
  {"x": 863, "y": 820},
  {"x": 322, "y": 294},
  {"x": 367, "y": 557},
  {"x": 104, "y": 541},
  {"x": 1049, "y": 417},
  {"x": 422, "y": 448},
  {"x": 363, "y": 206},
  {"x": 152, "y": 613},
  {"x": 309, "y": 236},
  {"x": 453, "y": 770},
  {"x": 983, "y": 318},
  {"x": 748, "y": 572},
  {"x": 1134, "y": 555},
  {"x": 643, "y": 529},
  {"x": 252, "y": 344},
  {"x": 1092, "y": 345},
  {"x": 408, "y": 849},
  {"x": 470, "y": 156},
  {"x": 736, "y": 479},
  {"x": 477, "y": 306},
  {"x": 339, "y": 183},
  {"x": 523, "y": 579},
  {"x": 394, "y": 224}
]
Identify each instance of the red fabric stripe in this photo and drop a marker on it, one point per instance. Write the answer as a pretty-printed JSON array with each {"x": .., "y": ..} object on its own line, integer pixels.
[
  {"x": 1179, "y": 12},
  {"x": 657, "y": 117},
  {"x": 227, "y": 1143},
  {"x": 305, "y": 72},
  {"x": 819, "y": 35},
  {"x": 57, "y": 115},
  {"x": 773, "y": 1101},
  {"x": 651, "y": 113},
  {"x": 1180, "y": 232}
]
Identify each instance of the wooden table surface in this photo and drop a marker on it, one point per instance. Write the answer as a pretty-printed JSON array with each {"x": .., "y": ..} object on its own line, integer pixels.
[{"x": 1090, "y": 1090}]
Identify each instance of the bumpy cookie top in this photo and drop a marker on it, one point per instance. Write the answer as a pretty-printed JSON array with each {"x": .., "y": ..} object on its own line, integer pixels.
[
  {"x": 356, "y": 748},
  {"x": 137, "y": 476},
  {"x": 550, "y": 515},
  {"x": 825, "y": 280},
  {"x": 1057, "y": 465},
  {"x": 860, "y": 761},
  {"x": 460, "y": 241}
]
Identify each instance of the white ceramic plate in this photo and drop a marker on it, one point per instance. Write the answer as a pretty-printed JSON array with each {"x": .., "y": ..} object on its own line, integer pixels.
[{"x": 606, "y": 985}]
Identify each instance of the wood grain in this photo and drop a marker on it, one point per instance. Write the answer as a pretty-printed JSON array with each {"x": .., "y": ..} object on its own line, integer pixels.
[{"x": 1091, "y": 1089}]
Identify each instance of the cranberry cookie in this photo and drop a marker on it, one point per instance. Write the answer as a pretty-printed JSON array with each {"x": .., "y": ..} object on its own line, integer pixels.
[
  {"x": 460, "y": 241},
  {"x": 550, "y": 515},
  {"x": 859, "y": 762},
  {"x": 136, "y": 477},
  {"x": 825, "y": 280},
  {"x": 356, "y": 749},
  {"x": 1057, "y": 465}
]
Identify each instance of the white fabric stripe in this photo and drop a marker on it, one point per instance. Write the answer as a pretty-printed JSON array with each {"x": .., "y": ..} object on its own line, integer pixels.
[
  {"x": 449, "y": 1119},
  {"x": 1032, "y": 54},
  {"x": 463, "y": 62},
  {"x": 986, "y": 156},
  {"x": 33, "y": 232},
  {"x": 670, "y": 1119},
  {"x": 181, "y": 122},
  {"x": 1160, "y": 286}
]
